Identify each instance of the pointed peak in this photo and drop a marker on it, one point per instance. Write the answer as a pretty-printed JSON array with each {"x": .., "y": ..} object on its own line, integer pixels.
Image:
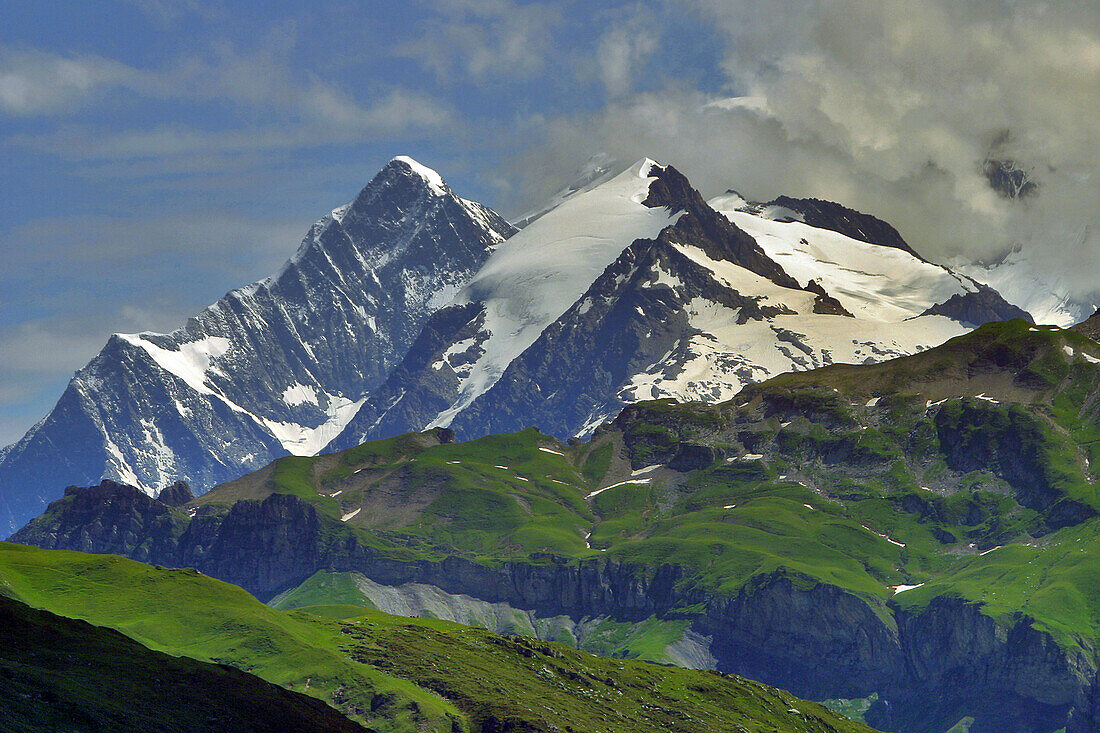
[
  {"x": 431, "y": 177},
  {"x": 646, "y": 168},
  {"x": 402, "y": 175}
]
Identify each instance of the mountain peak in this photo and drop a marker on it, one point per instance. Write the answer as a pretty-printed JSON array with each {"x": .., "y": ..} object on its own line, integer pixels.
[
  {"x": 276, "y": 367},
  {"x": 429, "y": 176}
]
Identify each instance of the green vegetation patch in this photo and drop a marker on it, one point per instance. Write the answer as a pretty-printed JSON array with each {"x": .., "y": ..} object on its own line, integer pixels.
[
  {"x": 515, "y": 683},
  {"x": 399, "y": 674},
  {"x": 184, "y": 613},
  {"x": 62, "y": 674}
]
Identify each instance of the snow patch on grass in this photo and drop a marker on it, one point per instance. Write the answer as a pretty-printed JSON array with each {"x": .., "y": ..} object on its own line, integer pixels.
[
  {"x": 902, "y": 588},
  {"x": 597, "y": 492}
]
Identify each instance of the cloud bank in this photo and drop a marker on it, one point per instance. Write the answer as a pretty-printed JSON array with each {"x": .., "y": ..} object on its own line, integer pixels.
[{"x": 924, "y": 114}]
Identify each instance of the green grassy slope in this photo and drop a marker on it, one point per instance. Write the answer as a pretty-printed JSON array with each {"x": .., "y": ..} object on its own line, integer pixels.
[
  {"x": 182, "y": 612},
  {"x": 62, "y": 674},
  {"x": 500, "y": 496},
  {"x": 901, "y": 473},
  {"x": 395, "y": 673},
  {"x": 516, "y": 683}
]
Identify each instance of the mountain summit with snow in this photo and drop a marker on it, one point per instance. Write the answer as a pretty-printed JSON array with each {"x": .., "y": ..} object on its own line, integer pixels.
[
  {"x": 410, "y": 307},
  {"x": 274, "y": 368},
  {"x": 639, "y": 289}
]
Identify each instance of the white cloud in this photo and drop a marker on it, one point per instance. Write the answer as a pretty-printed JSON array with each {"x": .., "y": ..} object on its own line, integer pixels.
[
  {"x": 484, "y": 39},
  {"x": 892, "y": 107},
  {"x": 332, "y": 118},
  {"x": 33, "y": 83},
  {"x": 619, "y": 55},
  {"x": 297, "y": 108}
]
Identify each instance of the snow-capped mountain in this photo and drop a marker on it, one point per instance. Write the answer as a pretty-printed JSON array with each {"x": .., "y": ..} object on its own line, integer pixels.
[
  {"x": 411, "y": 308},
  {"x": 276, "y": 367},
  {"x": 638, "y": 289},
  {"x": 863, "y": 261}
]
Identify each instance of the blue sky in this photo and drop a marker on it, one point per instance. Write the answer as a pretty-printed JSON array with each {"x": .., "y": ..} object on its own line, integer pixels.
[{"x": 154, "y": 154}]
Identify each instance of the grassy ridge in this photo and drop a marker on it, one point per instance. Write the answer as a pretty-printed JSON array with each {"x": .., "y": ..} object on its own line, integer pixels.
[
  {"x": 60, "y": 674},
  {"x": 864, "y": 477},
  {"x": 514, "y": 683},
  {"x": 498, "y": 497},
  {"x": 394, "y": 673},
  {"x": 182, "y": 612}
]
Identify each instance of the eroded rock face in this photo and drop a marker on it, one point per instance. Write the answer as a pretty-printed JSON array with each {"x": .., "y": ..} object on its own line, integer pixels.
[
  {"x": 1010, "y": 678},
  {"x": 930, "y": 667},
  {"x": 177, "y": 494},
  {"x": 109, "y": 518},
  {"x": 1010, "y": 444},
  {"x": 1090, "y": 327},
  {"x": 817, "y": 638}
]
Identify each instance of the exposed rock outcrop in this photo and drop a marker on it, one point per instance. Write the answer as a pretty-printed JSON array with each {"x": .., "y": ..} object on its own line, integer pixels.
[{"x": 977, "y": 308}]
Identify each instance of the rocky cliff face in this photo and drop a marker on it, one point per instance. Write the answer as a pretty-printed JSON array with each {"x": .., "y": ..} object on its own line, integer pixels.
[
  {"x": 1008, "y": 675},
  {"x": 930, "y": 667},
  {"x": 276, "y": 367},
  {"x": 1090, "y": 327},
  {"x": 110, "y": 518}
]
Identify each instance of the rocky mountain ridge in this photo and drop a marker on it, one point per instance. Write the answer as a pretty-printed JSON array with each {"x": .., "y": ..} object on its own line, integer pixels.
[
  {"x": 695, "y": 310},
  {"x": 909, "y": 529}
]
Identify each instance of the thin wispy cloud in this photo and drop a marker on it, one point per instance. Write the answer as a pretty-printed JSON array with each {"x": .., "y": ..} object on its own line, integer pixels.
[
  {"x": 338, "y": 122},
  {"x": 37, "y": 83},
  {"x": 484, "y": 39},
  {"x": 308, "y": 111}
]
